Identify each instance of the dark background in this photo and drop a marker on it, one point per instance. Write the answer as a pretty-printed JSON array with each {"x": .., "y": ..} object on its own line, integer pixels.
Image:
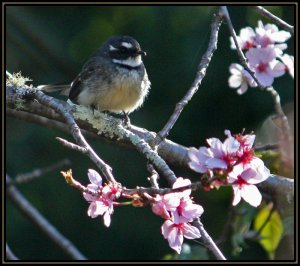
[{"x": 49, "y": 44}]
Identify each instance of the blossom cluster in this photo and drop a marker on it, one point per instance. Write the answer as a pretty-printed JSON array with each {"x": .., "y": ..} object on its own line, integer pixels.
[
  {"x": 103, "y": 200},
  {"x": 179, "y": 211},
  {"x": 264, "y": 50},
  {"x": 176, "y": 208},
  {"x": 234, "y": 163}
]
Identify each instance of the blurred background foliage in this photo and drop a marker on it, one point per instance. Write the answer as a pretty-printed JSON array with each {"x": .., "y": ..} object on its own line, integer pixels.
[{"x": 49, "y": 44}]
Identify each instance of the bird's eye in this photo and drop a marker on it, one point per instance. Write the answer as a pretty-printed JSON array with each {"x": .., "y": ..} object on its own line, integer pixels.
[{"x": 122, "y": 49}]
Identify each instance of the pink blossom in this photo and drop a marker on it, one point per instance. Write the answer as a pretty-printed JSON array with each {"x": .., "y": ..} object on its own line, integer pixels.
[
  {"x": 102, "y": 203},
  {"x": 266, "y": 67},
  {"x": 111, "y": 192},
  {"x": 95, "y": 185},
  {"x": 187, "y": 211},
  {"x": 198, "y": 159},
  {"x": 235, "y": 151},
  {"x": 240, "y": 79},
  {"x": 163, "y": 205},
  {"x": 245, "y": 152},
  {"x": 180, "y": 182},
  {"x": 288, "y": 61},
  {"x": 177, "y": 202},
  {"x": 176, "y": 232},
  {"x": 245, "y": 40},
  {"x": 224, "y": 154},
  {"x": 101, "y": 207},
  {"x": 269, "y": 34},
  {"x": 243, "y": 182},
  {"x": 178, "y": 209},
  {"x": 218, "y": 156},
  {"x": 262, "y": 172}
]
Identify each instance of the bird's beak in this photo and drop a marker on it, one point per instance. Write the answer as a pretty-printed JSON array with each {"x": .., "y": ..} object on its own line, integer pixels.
[{"x": 141, "y": 53}]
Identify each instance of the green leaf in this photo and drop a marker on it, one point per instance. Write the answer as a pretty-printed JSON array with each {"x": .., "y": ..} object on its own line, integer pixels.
[{"x": 272, "y": 230}]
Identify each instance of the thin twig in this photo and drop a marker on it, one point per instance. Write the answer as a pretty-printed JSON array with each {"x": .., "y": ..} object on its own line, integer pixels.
[
  {"x": 284, "y": 125},
  {"x": 204, "y": 63},
  {"x": 208, "y": 241},
  {"x": 267, "y": 147},
  {"x": 240, "y": 53},
  {"x": 74, "y": 183},
  {"x": 39, "y": 119},
  {"x": 9, "y": 254},
  {"x": 162, "y": 191},
  {"x": 72, "y": 146},
  {"x": 65, "y": 111},
  {"x": 144, "y": 148},
  {"x": 274, "y": 18},
  {"x": 9, "y": 74},
  {"x": 41, "y": 222},
  {"x": 36, "y": 173},
  {"x": 172, "y": 152},
  {"x": 153, "y": 179}
]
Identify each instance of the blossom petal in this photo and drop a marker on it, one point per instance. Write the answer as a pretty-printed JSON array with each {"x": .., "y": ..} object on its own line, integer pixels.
[
  {"x": 192, "y": 210},
  {"x": 236, "y": 195},
  {"x": 248, "y": 174},
  {"x": 198, "y": 167},
  {"x": 216, "y": 163},
  {"x": 251, "y": 194},
  {"x": 267, "y": 54},
  {"x": 235, "y": 172},
  {"x": 106, "y": 219},
  {"x": 166, "y": 228},
  {"x": 216, "y": 146},
  {"x": 235, "y": 81},
  {"x": 262, "y": 172},
  {"x": 249, "y": 140},
  {"x": 198, "y": 158},
  {"x": 243, "y": 88},
  {"x": 278, "y": 69},
  {"x": 89, "y": 197},
  {"x": 231, "y": 145},
  {"x": 173, "y": 234},
  {"x": 92, "y": 210},
  {"x": 172, "y": 200},
  {"x": 190, "y": 232},
  {"x": 180, "y": 182},
  {"x": 94, "y": 177},
  {"x": 280, "y": 36},
  {"x": 235, "y": 69},
  {"x": 265, "y": 78}
]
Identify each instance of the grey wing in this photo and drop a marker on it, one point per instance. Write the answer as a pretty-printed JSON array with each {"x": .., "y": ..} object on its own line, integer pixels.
[
  {"x": 79, "y": 82},
  {"x": 92, "y": 76}
]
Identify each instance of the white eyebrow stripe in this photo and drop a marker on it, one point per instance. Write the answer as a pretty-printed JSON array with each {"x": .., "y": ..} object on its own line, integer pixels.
[
  {"x": 112, "y": 48},
  {"x": 127, "y": 45}
]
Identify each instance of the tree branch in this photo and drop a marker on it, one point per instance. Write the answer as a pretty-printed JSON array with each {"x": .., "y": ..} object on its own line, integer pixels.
[
  {"x": 283, "y": 125},
  {"x": 274, "y": 19},
  {"x": 9, "y": 254},
  {"x": 240, "y": 53},
  {"x": 36, "y": 173},
  {"x": 204, "y": 63},
  {"x": 208, "y": 241},
  {"x": 172, "y": 152},
  {"x": 40, "y": 221}
]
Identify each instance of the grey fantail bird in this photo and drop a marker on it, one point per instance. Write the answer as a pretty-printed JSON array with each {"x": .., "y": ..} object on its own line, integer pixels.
[{"x": 114, "y": 79}]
